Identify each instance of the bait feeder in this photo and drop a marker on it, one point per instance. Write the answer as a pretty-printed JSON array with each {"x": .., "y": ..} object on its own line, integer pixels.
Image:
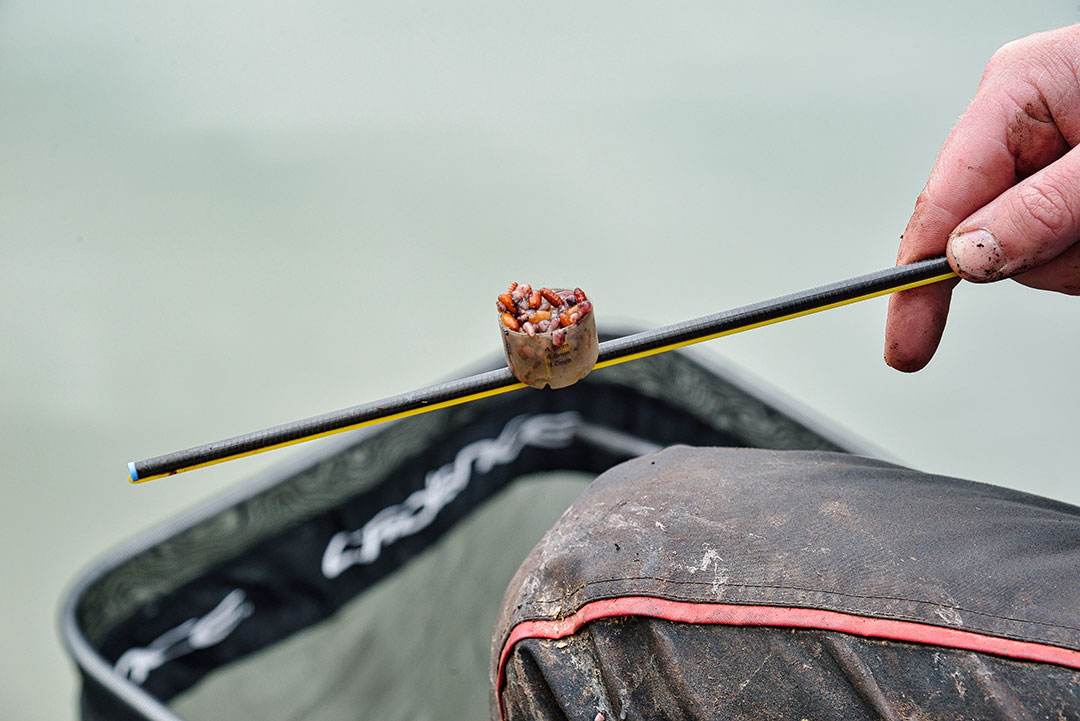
[{"x": 536, "y": 361}]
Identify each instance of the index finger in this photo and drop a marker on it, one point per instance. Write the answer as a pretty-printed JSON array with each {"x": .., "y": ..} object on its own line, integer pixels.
[{"x": 1005, "y": 133}]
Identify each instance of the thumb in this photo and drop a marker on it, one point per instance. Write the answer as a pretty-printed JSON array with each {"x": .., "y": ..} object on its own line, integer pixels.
[{"x": 1028, "y": 225}]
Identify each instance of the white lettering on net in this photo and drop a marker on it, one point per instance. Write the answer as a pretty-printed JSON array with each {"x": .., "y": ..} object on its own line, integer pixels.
[
  {"x": 346, "y": 549},
  {"x": 191, "y": 635}
]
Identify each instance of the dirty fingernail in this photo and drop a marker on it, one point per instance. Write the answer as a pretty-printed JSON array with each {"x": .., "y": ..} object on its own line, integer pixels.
[{"x": 978, "y": 255}]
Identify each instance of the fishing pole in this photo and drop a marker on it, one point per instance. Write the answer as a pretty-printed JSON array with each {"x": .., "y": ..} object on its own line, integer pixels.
[{"x": 612, "y": 352}]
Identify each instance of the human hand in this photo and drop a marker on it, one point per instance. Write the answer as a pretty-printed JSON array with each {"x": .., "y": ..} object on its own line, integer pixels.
[{"x": 1003, "y": 198}]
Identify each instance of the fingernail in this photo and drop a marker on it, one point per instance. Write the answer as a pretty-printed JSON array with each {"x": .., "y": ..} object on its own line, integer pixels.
[{"x": 978, "y": 255}]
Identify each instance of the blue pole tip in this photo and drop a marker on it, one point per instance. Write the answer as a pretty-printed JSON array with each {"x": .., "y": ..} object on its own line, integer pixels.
[{"x": 133, "y": 473}]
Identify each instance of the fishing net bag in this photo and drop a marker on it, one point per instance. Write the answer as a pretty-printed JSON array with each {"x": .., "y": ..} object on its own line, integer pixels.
[{"x": 363, "y": 580}]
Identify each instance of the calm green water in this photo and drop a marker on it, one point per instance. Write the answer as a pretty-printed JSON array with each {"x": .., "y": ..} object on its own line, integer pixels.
[{"x": 215, "y": 217}]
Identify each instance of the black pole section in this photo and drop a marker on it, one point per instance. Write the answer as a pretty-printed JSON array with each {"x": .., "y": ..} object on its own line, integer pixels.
[
  {"x": 610, "y": 353},
  {"x": 318, "y": 426},
  {"x": 803, "y": 302}
]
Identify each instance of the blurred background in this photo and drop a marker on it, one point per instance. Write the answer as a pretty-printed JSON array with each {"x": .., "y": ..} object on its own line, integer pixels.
[{"x": 220, "y": 216}]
